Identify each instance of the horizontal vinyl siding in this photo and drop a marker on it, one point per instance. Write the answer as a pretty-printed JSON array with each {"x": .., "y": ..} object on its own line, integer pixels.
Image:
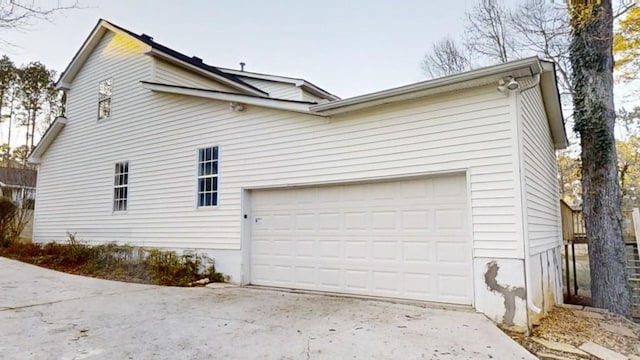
[
  {"x": 306, "y": 96},
  {"x": 167, "y": 73},
  {"x": 541, "y": 184},
  {"x": 159, "y": 135},
  {"x": 276, "y": 89}
]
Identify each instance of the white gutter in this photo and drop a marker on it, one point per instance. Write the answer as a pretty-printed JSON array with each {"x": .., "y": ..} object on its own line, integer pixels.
[
  {"x": 280, "y": 104},
  {"x": 527, "y": 254},
  {"x": 386, "y": 96}
]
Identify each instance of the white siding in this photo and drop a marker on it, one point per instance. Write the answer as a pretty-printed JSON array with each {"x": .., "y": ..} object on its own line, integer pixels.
[
  {"x": 306, "y": 96},
  {"x": 542, "y": 200},
  {"x": 159, "y": 135},
  {"x": 276, "y": 89},
  {"x": 167, "y": 73}
]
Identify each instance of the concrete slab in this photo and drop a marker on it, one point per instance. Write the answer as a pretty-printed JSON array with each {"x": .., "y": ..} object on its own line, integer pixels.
[
  {"x": 602, "y": 352},
  {"x": 547, "y": 356},
  {"x": 60, "y": 316},
  {"x": 221, "y": 286},
  {"x": 620, "y": 330},
  {"x": 589, "y": 314},
  {"x": 596, "y": 310},
  {"x": 557, "y": 346}
]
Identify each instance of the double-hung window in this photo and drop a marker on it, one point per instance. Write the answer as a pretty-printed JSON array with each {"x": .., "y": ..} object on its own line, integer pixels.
[
  {"x": 104, "y": 99},
  {"x": 121, "y": 186},
  {"x": 208, "y": 176}
]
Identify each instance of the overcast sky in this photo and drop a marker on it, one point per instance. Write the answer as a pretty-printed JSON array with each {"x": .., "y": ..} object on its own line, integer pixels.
[{"x": 348, "y": 47}]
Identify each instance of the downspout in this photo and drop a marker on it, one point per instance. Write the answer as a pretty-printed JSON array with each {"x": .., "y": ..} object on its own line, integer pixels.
[{"x": 527, "y": 276}]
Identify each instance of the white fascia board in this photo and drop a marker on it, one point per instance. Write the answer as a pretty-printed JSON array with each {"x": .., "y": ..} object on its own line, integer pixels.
[
  {"x": 49, "y": 136},
  {"x": 268, "y": 77},
  {"x": 288, "y": 105},
  {"x": 301, "y": 83},
  {"x": 232, "y": 84},
  {"x": 553, "y": 106},
  {"x": 309, "y": 87},
  {"x": 64, "y": 83},
  {"x": 530, "y": 66},
  {"x": 81, "y": 56}
]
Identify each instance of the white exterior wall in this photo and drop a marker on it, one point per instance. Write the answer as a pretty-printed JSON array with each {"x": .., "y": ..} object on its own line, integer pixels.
[
  {"x": 306, "y": 96},
  {"x": 166, "y": 73},
  {"x": 159, "y": 134},
  {"x": 275, "y": 89},
  {"x": 544, "y": 226},
  {"x": 542, "y": 202}
]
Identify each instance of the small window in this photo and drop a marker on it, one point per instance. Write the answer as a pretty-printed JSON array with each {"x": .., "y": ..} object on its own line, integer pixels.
[
  {"x": 104, "y": 101},
  {"x": 121, "y": 186},
  {"x": 208, "y": 176}
]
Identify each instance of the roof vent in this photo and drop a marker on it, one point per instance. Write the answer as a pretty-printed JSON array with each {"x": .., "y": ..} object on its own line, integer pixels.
[
  {"x": 242, "y": 64},
  {"x": 196, "y": 59},
  {"x": 147, "y": 37}
]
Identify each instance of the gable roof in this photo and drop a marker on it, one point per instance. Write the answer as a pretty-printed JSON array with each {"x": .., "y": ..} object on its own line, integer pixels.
[
  {"x": 543, "y": 71},
  {"x": 18, "y": 177},
  {"x": 263, "y": 101},
  {"x": 47, "y": 139},
  {"x": 522, "y": 68},
  {"x": 157, "y": 49},
  {"x": 301, "y": 83}
]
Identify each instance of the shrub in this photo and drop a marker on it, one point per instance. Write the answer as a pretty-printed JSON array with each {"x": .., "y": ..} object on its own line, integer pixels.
[
  {"x": 117, "y": 262},
  {"x": 7, "y": 212},
  {"x": 168, "y": 268}
]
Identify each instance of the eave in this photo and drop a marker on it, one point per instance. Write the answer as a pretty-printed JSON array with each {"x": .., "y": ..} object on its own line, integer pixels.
[
  {"x": 280, "y": 104},
  {"x": 47, "y": 139},
  {"x": 479, "y": 77},
  {"x": 301, "y": 83},
  {"x": 233, "y": 84}
]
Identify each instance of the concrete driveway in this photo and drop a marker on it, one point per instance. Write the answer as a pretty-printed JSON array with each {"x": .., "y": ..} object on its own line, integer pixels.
[{"x": 50, "y": 315}]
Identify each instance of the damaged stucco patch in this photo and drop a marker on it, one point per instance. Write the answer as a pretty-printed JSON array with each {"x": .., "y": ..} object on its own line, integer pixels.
[{"x": 509, "y": 293}]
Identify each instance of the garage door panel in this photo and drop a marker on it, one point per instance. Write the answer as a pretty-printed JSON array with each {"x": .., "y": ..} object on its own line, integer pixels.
[{"x": 405, "y": 239}]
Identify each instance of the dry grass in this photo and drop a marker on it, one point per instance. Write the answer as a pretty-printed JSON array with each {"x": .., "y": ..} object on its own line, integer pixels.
[{"x": 566, "y": 326}]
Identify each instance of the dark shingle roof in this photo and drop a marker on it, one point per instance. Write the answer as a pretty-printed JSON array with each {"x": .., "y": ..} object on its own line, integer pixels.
[
  {"x": 197, "y": 62},
  {"x": 18, "y": 177}
]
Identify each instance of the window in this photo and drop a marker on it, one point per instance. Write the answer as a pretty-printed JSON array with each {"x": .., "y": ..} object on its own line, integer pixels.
[
  {"x": 208, "y": 176},
  {"x": 104, "y": 100},
  {"x": 121, "y": 186}
]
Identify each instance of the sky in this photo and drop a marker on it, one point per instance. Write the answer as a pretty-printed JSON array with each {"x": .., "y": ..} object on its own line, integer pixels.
[{"x": 346, "y": 47}]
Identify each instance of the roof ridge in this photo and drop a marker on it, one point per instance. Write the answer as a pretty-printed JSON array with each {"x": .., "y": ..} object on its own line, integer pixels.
[{"x": 192, "y": 60}]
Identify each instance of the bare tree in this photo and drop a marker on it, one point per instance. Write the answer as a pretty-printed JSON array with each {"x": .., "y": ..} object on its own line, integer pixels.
[
  {"x": 22, "y": 14},
  {"x": 544, "y": 31},
  {"x": 446, "y": 58},
  {"x": 487, "y": 32},
  {"x": 591, "y": 55}
]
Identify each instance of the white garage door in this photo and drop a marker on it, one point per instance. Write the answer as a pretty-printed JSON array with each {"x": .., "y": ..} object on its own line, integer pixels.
[{"x": 404, "y": 239}]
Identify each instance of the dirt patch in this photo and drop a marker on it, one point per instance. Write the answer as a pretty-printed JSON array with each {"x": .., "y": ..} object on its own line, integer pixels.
[{"x": 576, "y": 327}]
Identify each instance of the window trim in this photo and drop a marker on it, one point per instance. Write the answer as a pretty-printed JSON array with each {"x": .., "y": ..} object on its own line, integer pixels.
[
  {"x": 109, "y": 99},
  {"x": 116, "y": 174},
  {"x": 198, "y": 177}
]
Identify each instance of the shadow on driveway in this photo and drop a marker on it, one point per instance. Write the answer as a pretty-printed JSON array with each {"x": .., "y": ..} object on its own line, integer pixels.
[{"x": 45, "y": 314}]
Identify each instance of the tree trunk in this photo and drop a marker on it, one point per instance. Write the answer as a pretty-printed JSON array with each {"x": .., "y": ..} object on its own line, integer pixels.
[
  {"x": 33, "y": 129},
  {"x": 592, "y": 62}
]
